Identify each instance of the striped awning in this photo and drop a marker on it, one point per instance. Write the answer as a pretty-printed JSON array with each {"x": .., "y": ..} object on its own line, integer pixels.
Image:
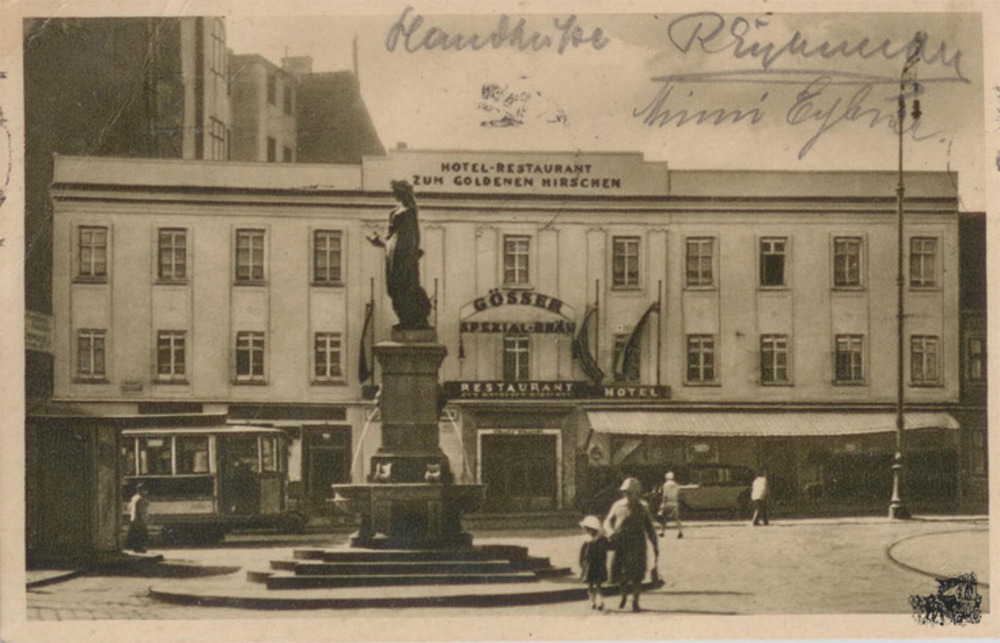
[{"x": 749, "y": 424}]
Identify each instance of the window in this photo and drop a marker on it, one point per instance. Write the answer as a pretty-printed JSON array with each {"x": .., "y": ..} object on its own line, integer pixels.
[
  {"x": 218, "y": 140},
  {"x": 846, "y": 262},
  {"x": 249, "y": 256},
  {"x": 166, "y": 455},
  {"x": 249, "y": 357},
  {"x": 774, "y": 359},
  {"x": 975, "y": 368},
  {"x": 93, "y": 253},
  {"x": 172, "y": 255},
  {"x": 90, "y": 354},
  {"x": 630, "y": 366},
  {"x": 219, "y": 55},
  {"x": 327, "y": 357},
  {"x": 170, "y": 355},
  {"x": 286, "y": 154},
  {"x": 192, "y": 454},
  {"x": 515, "y": 260},
  {"x": 326, "y": 256},
  {"x": 924, "y": 360},
  {"x": 288, "y": 100},
  {"x": 700, "y": 359},
  {"x": 516, "y": 354},
  {"x": 699, "y": 262},
  {"x": 772, "y": 261},
  {"x": 625, "y": 262},
  {"x": 923, "y": 261},
  {"x": 272, "y": 149},
  {"x": 272, "y": 89},
  {"x": 156, "y": 456},
  {"x": 849, "y": 368}
]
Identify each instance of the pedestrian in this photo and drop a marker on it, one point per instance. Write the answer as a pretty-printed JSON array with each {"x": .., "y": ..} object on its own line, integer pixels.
[
  {"x": 628, "y": 525},
  {"x": 138, "y": 516},
  {"x": 670, "y": 504},
  {"x": 758, "y": 496},
  {"x": 594, "y": 560}
]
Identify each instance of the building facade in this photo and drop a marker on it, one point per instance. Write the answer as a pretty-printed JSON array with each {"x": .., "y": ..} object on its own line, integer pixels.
[
  {"x": 264, "y": 105},
  {"x": 603, "y": 316}
]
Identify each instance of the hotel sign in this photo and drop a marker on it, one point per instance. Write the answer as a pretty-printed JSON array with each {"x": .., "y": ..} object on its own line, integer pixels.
[{"x": 552, "y": 390}]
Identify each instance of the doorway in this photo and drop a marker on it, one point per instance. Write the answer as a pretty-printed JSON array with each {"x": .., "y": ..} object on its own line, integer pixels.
[
  {"x": 327, "y": 461},
  {"x": 521, "y": 471}
]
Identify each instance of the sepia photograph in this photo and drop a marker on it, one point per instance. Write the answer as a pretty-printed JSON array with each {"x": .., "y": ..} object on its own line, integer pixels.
[{"x": 451, "y": 321}]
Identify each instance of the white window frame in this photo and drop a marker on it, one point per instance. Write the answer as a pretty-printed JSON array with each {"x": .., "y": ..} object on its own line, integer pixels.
[
  {"x": 255, "y": 256},
  {"x": 923, "y": 278},
  {"x": 327, "y": 235},
  {"x": 854, "y": 345},
  {"x": 176, "y": 343},
  {"x": 518, "y": 348},
  {"x": 923, "y": 348},
  {"x": 521, "y": 276},
  {"x": 332, "y": 345},
  {"x": 765, "y": 248},
  {"x": 857, "y": 272},
  {"x": 89, "y": 270},
  {"x": 167, "y": 272},
  {"x": 696, "y": 346},
  {"x": 698, "y": 243},
  {"x": 247, "y": 341},
  {"x": 93, "y": 336},
  {"x": 775, "y": 345},
  {"x": 624, "y": 242}
]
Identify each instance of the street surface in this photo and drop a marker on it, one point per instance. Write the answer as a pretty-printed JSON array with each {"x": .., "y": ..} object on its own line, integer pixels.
[{"x": 822, "y": 566}]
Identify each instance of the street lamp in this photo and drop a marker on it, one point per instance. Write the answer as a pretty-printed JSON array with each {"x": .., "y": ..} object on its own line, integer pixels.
[{"x": 897, "y": 508}]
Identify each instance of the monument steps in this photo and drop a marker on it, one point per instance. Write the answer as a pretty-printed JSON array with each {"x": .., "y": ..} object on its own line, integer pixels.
[
  {"x": 285, "y": 580},
  {"x": 408, "y": 567}
]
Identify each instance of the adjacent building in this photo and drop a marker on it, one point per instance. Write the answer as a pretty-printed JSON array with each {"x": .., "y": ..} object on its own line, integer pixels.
[
  {"x": 264, "y": 111},
  {"x": 603, "y": 315}
]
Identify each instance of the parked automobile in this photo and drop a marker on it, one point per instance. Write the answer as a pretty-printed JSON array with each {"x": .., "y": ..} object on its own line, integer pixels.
[{"x": 720, "y": 488}]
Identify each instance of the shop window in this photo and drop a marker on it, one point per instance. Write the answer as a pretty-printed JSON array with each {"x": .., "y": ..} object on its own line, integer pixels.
[
  {"x": 92, "y": 253},
  {"x": 925, "y": 360},
  {"x": 516, "y": 358},
  {"x": 699, "y": 262},
  {"x": 249, "y": 357},
  {"x": 90, "y": 354},
  {"x": 774, "y": 359},
  {"x": 327, "y": 257},
  {"x": 847, "y": 262},
  {"x": 249, "y": 256},
  {"x": 515, "y": 260},
  {"x": 172, "y": 255},
  {"x": 700, "y": 359},
  {"x": 923, "y": 262},
  {"x": 625, "y": 262},
  {"x": 170, "y": 355},
  {"x": 327, "y": 357},
  {"x": 849, "y": 360},
  {"x": 773, "y": 256}
]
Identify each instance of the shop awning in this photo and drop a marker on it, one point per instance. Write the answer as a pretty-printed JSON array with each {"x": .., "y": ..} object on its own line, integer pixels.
[{"x": 759, "y": 425}]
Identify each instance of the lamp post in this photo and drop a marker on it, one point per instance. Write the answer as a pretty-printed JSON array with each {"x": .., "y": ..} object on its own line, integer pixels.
[{"x": 897, "y": 508}]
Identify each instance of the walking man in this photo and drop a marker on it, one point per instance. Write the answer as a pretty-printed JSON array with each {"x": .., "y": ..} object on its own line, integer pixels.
[
  {"x": 670, "y": 504},
  {"x": 758, "y": 496}
]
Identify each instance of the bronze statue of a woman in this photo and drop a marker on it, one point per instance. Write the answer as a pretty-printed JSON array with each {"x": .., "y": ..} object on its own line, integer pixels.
[{"x": 402, "y": 257}]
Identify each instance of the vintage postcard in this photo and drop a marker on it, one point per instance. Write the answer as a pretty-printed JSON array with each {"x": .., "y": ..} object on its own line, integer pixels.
[{"x": 458, "y": 321}]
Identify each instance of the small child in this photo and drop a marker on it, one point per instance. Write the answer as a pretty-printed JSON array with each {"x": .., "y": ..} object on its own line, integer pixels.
[{"x": 594, "y": 560}]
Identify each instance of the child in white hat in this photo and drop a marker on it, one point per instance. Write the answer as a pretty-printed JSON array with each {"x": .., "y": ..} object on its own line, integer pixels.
[{"x": 594, "y": 560}]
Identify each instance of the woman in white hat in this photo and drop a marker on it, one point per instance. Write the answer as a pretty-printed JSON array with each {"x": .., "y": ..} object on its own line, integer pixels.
[{"x": 628, "y": 526}]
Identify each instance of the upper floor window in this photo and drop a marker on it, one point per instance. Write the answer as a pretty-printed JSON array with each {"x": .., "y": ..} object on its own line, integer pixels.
[
  {"x": 849, "y": 368},
  {"x": 625, "y": 262},
  {"x": 516, "y": 358},
  {"x": 272, "y": 150},
  {"x": 846, "y": 262},
  {"x": 249, "y": 357},
  {"x": 90, "y": 358},
  {"x": 699, "y": 262},
  {"x": 774, "y": 359},
  {"x": 773, "y": 255},
  {"x": 171, "y": 355},
  {"x": 93, "y": 252},
  {"x": 923, "y": 261},
  {"x": 626, "y": 366},
  {"x": 925, "y": 360},
  {"x": 249, "y": 256},
  {"x": 288, "y": 100},
  {"x": 700, "y": 359},
  {"x": 327, "y": 357},
  {"x": 975, "y": 359},
  {"x": 272, "y": 89},
  {"x": 515, "y": 260},
  {"x": 326, "y": 257},
  {"x": 172, "y": 255},
  {"x": 219, "y": 146}
]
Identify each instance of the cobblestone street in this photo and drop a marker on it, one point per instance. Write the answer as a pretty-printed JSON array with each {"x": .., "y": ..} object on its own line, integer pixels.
[{"x": 794, "y": 567}]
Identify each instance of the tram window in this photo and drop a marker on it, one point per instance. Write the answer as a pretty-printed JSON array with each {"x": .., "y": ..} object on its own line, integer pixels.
[
  {"x": 243, "y": 451},
  {"x": 154, "y": 456},
  {"x": 192, "y": 454},
  {"x": 269, "y": 453},
  {"x": 128, "y": 457}
]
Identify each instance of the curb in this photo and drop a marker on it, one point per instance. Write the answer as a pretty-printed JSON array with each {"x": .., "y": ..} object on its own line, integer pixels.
[
  {"x": 95, "y": 569},
  {"x": 888, "y": 551}
]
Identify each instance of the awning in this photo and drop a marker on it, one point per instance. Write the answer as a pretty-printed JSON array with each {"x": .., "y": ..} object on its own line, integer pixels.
[{"x": 759, "y": 425}]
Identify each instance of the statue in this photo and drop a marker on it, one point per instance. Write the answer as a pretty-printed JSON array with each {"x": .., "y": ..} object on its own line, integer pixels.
[{"x": 402, "y": 256}]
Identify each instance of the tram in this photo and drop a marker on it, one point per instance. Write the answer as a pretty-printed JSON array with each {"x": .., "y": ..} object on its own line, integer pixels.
[{"x": 203, "y": 481}]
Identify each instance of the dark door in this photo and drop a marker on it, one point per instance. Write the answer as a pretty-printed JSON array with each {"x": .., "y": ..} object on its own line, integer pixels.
[
  {"x": 520, "y": 472},
  {"x": 778, "y": 459},
  {"x": 327, "y": 466},
  {"x": 238, "y": 475}
]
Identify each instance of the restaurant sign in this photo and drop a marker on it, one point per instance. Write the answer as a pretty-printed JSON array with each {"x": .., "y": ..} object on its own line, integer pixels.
[{"x": 553, "y": 390}]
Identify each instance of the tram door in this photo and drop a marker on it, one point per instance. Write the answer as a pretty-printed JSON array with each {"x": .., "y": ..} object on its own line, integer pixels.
[
  {"x": 238, "y": 466},
  {"x": 520, "y": 471},
  {"x": 328, "y": 462}
]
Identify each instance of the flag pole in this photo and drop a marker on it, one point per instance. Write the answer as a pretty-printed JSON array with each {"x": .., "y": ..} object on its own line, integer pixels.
[
  {"x": 659, "y": 329},
  {"x": 371, "y": 302}
]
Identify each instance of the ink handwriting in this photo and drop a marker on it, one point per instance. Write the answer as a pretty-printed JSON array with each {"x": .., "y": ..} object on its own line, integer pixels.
[{"x": 412, "y": 35}]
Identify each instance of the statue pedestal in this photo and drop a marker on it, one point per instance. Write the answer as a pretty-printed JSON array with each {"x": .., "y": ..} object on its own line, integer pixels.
[{"x": 410, "y": 501}]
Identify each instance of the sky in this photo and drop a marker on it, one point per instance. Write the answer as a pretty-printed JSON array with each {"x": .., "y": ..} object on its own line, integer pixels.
[{"x": 699, "y": 91}]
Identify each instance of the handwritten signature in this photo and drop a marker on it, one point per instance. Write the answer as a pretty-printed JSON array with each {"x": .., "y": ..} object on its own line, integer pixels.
[
  {"x": 707, "y": 32},
  {"x": 415, "y": 36}
]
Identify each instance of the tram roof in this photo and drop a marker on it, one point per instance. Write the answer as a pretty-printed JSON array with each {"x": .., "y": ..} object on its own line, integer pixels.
[{"x": 225, "y": 429}]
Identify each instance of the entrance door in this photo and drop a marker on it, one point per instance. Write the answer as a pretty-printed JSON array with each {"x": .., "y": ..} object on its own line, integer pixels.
[
  {"x": 327, "y": 466},
  {"x": 520, "y": 471}
]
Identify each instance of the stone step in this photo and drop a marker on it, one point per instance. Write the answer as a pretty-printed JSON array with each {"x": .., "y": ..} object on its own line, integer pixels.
[
  {"x": 417, "y": 555},
  {"x": 283, "y": 580},
  {"x": 404, "y": 567}
]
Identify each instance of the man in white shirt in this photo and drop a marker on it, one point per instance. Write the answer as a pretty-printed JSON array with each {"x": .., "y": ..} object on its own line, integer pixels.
[{"x": 758, "y": 496}]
